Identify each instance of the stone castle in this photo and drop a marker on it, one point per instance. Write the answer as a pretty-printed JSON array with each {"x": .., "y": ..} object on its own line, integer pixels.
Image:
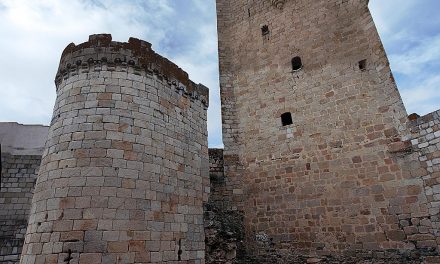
[{"x": 321, "y": 162}]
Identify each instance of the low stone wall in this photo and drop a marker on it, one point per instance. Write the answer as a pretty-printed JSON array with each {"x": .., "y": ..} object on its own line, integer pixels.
[
  {"x": 217, "y": 178},
  {"x": 18, "y": 176},
  {"x": 224, "y": 234},
  {"x": 425, "y": 133},
  {"x": 224, "y": 230}
]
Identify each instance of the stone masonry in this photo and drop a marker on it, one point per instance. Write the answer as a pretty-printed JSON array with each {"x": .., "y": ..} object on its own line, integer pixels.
[
  {"x": 124, "y": 174},
  {"x": 321, "y": 162},
  {"x": 318, "y": 154},
  {"x": 21, "y": 148},
  {"x": 19, "y": 174},
  {"x": 425, "y": 141}
]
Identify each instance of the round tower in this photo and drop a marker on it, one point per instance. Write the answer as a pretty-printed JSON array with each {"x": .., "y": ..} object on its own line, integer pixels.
[{"x": 125, "y": 171}]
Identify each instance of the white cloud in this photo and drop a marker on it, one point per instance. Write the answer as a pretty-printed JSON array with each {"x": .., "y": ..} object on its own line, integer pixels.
[
  {"x": 388, "y": 14},
  {"x": 412, "y": 42},
  {"x": 423, "y": 98},
  {"x": 418, "y": 58},
  {"x": 35, "y": 32}
]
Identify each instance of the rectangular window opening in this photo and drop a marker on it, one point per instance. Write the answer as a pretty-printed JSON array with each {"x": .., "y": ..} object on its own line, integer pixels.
[
  {"x": 286, "y": 119},
  {"x": 265, "y": 30},
  {"x": 363, "y": 65}
]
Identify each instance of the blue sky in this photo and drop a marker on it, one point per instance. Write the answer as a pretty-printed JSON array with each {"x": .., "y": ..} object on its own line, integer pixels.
[{"x": 34, "y": 33}]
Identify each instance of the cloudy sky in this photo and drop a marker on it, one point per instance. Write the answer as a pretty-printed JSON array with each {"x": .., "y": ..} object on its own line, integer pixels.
[{"x": 33, "y": 34}]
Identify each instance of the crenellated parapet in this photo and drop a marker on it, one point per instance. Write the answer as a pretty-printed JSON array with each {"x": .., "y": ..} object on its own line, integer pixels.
[{"x": 136, "y": 57}]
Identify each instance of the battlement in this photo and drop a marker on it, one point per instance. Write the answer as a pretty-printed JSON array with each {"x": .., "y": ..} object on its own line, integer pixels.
[{"x": 136, "y": 57}]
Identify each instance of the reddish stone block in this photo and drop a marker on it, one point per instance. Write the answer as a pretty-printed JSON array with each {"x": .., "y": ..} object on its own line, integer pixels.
[
  {"x": 90, "y": 258},
  {"x": 72, "y": 236},
  {"x": 136, "y": 246},
  {"x": 104, "y": 96},
  {"x": 432, "y": 260},
  {"x": 117, "y": 246},
  {"x": 142, "y": 257}
]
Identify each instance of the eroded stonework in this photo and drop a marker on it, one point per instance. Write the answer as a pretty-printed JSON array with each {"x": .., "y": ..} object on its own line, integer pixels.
[
  {"x": 124, "y": 173},
  {"x": 318, "y": 155},
  {"x": 321, "y": 162}
]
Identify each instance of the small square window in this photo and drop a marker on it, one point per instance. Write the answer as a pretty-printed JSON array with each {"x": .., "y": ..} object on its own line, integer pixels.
[
  {"x": 286, "y": 119},
  {"x": 265, "y": 30},
  {"x": 296, "y": 64}
]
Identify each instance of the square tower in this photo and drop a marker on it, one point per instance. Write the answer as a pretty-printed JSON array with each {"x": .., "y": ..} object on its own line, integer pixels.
[{"x": 310, "y": 108}]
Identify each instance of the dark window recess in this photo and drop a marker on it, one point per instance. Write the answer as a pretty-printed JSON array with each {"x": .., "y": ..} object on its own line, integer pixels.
[
  {"x": 69, "y": 257},
  {"x": 286, "y": 119},
  {"x": 179, "y": 252},
  {"x": 265, "y": 30},
  {"x": 296, "y": 64},
  {"x": 363, "y": 65}
]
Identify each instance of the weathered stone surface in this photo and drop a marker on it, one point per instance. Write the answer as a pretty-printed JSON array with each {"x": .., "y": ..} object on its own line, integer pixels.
[
  {"x": 352, "y": 171},
  {"x": 224, "y": 233},
  {"x": 125, "y": 171},
  {"x": 18, "y": 176}
]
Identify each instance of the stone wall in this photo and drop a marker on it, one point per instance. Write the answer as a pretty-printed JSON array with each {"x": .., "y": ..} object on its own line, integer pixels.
[
  {"x": 224, "y": 228},
  {"x": 21, "y": 147},
  {"x": 217, "y": 178},
  {"x": 425, "y": 133},
  {"x": 18, "y": 176},
  {"x": 331, "y": 181},
  {"x": 425, "y": 141},
  {"x": 125, "y": 170}
]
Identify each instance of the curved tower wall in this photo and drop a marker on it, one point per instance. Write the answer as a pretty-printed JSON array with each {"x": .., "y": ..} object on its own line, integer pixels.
[{"x": 125, "y": 171}]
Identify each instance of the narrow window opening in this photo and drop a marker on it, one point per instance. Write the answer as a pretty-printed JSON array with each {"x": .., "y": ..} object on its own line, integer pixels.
[
  {"x": 297, "y": 64},
  {"x": 69, "y": 257},
  {"x": 265, "y": 30},
  {"x": 286, "y": 119},
  {"x": 363, "y": 65},
  {"x": 179, "y": 252},
  {"x": 249, "y": 12}
]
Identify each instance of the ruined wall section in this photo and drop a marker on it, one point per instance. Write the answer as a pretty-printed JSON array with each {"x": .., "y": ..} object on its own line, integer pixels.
[
  {"x": 224, "y": 230},
  {"x": 217, "y": 178},
  {"x": 125, "y": 171}
]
